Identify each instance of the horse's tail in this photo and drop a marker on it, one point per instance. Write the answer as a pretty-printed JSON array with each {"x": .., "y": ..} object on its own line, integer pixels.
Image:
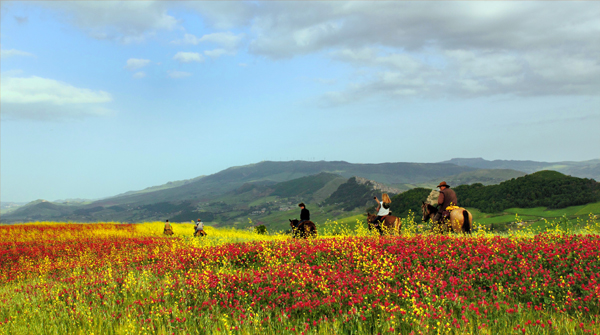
[
  {"x": 398, "y": 225},
  {"x": 466, "y": 223}
]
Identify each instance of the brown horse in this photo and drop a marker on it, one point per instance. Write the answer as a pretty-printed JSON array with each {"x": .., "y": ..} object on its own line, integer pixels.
[
  {"x": 168, "y": 229},
  {"x": 460, "y": 219},
  {"x": 391, "y": 224},
  {"x": 305, "y": 229},
  {"x": 199, "y": 233}
]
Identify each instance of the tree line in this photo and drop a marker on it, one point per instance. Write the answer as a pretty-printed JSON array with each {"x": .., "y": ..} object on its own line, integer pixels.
[{"x": 548, "y": 189}]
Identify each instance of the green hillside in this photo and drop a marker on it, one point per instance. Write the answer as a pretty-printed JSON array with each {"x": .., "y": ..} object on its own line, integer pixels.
[
  {"x": 409, "y": 201},
  {"x": 541, "y": 189},
  {"x": 262, "y": 191},
  {"x": 483, "y": 176},
  {"x": 352, "y": 194},
  {"x": 303, "y": 186},
  {"x": 220, "y": 183},
  {"x": 585, "y": 169}
]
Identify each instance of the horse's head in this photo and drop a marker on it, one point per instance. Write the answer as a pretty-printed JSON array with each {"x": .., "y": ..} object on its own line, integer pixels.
[
  {"x": 428, "y": 211},
  {"x": 371, "y": 217},
  {"x": 294, "y": 223}
]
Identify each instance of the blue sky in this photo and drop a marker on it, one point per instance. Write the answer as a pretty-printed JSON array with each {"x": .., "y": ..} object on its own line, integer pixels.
[{"x": 99, "y": 98}]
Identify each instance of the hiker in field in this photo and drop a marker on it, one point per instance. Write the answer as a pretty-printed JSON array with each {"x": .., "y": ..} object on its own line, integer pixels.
[
  {"x": 199, "y": 228},
  {"x": 383, "y": 210},
  {"x": 446, "y": 199},
  {"x": 168, "y": 230}
]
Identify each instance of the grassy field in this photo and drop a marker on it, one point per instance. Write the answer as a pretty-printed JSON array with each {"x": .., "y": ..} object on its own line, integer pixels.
[
  {"x": 332, "y": 218},
  {"x": 538, "y": 218},
  {"x": 110, "y": 278}
]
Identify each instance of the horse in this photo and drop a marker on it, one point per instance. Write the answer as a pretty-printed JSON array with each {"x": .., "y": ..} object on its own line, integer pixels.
[
  {"x": 460, "y": 219},
  {"x": 390, "y": 223},
  {"x": 305, "y": 229},
  {"x": 168, "y": 229},
  {"x": 199, "y": 233}
]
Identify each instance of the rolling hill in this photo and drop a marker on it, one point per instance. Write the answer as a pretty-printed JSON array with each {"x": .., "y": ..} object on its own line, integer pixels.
[
  {"x": 262, "y": 189},
  {"x": 548, "y": 189},
  {"x": 585, "y": 169}
]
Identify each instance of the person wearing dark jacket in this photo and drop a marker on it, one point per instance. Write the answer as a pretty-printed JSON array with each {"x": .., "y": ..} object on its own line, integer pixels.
[
  {"x": 446, "y": 199},
  {"x": 304, "y": 214}
]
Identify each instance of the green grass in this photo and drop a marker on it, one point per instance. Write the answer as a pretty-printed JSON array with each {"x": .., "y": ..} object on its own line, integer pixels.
[
  {"x": 545, "y": 213},
  {"x": 503, "y": 219},
  {"x": 262, "y": 201},
  {"x": 589, "y": 208},
  {"x": 535, "y": 216}
]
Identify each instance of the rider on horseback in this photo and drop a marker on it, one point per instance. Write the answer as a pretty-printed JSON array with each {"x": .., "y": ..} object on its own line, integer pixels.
[
  {"x": 168, "y": 229},
  {"x": 446, "y": 199},
  {"x": 383, "y": 210},
  {"x": 304, "y": 214}
]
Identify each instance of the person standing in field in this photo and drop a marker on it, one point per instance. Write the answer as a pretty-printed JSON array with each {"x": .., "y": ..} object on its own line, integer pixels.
[
  {"x": 383, "y": 210},
  {"x": 446, "y": 199}
]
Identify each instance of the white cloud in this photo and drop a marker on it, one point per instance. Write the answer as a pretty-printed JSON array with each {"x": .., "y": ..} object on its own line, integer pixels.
[
  {"x": 217, "y": 53},
  {"x": 187, "y": 39},
  {"x": 439, "y": 48},
  {"x": 178, "y": 74},
  {"x": 123, "y": 21},
  {"x": 188, "y": 57},
  {"x": 227, "y": 41},
  {"x": 14, "y": 53},
  {"x": 224, "y": 14},
  {"x": 36, "y": 89},
  {"x": 136, "y": 63},
  {"x": 140, "y": 74},
  {"x": 42, "y": 98}
]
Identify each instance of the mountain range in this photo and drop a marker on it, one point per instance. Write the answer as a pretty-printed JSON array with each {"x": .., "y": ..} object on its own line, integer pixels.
[{"x": 266, "y": 189}]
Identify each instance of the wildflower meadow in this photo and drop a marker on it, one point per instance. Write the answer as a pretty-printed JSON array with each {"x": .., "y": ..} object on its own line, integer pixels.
[{"x": 112, "y": 278}]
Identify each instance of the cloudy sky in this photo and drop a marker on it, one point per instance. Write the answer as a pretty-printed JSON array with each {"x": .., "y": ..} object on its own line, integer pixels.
[{"x": 99, "y": 98}]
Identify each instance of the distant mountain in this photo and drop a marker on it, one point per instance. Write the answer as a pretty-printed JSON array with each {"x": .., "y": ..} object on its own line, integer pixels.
[
  {"x": 585, "y": 169},
  {"x": 262, "y": 188},
  {"x": 305, "y": 186},
  {"x": 40, "y": 210},
  {"x": 215, "y": 185},
  {"x": 483, "y": 176},
  {"x": 357, "y": 192},
  {"x": 168, "y": 185}
]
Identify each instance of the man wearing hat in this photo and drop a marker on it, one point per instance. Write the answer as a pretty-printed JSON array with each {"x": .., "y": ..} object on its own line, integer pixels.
[{"x": 446, "y": 199}]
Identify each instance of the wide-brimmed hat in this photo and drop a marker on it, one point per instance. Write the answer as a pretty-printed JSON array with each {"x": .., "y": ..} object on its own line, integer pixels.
[
  {"x": 443, "y": 184},
  {"x": 301, "y": 204},
  {"x": 199, "y": 220}
]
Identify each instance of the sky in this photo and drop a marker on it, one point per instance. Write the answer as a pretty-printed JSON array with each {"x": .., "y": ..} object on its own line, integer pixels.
[{"x": 100, "y": 98}]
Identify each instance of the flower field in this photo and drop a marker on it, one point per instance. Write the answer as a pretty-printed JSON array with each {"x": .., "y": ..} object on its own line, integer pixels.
[{"x": 111, "y": 278}]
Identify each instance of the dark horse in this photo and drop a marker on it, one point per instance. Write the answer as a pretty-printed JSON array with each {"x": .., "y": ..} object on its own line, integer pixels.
[
  {"x": 460, "y": 219},
  {"x": 391, "y": 224},
  {"x": 305, "y": 229}
]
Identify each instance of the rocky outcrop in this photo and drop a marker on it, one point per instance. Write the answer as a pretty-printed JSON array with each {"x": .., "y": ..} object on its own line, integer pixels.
[{"x": 377, "y": 186}]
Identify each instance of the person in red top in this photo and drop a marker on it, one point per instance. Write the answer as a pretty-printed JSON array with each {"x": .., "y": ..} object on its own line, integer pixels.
[{"x": 446, "y": 199}]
